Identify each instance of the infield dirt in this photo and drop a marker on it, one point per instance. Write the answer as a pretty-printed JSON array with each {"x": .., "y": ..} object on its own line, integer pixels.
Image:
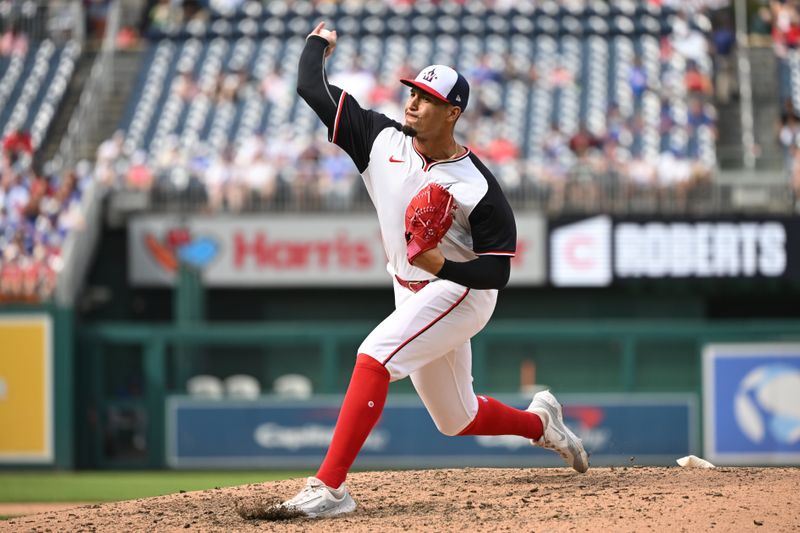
[{"x": 476, "y": 499}]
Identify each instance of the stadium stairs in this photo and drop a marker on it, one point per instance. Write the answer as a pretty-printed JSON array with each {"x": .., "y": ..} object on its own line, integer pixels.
[
  {"x": 760, "y": 189},
  {"x": 125, "y": 69},
  {"x": 766, "y": 111},
  {"x": 68, "y": 106},
  {"x": 766, "y": 107}
]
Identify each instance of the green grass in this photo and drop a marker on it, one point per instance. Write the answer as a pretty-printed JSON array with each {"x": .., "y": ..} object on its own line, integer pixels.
[{"x": 105, "y": 486}]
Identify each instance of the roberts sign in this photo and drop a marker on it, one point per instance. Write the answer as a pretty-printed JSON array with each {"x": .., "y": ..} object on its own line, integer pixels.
[
  {"x": 600, "y": 250},
  {"x": 701, "y": 249}
]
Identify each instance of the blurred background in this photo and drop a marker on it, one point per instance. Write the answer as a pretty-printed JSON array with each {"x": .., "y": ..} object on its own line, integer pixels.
[{"x": 188, "y": 266}]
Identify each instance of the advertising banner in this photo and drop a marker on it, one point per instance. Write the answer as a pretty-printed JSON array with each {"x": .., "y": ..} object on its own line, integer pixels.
[
  {"x": 751, "y": 403},
  {"x": 601, "y": 250},
  {"x": 26, "y": 389},
  {"x": 287, "y": 250},
  {"x": 616, "y": 429}
]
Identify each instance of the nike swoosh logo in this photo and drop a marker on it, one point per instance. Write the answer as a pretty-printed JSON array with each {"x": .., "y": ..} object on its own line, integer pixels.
[{"x": 393, "y": 160}]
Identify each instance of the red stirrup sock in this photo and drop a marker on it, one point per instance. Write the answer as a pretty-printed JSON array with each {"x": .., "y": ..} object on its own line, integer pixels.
[
  {"x": 496, "y": 418},
  {"x": 361, "y": 409}
]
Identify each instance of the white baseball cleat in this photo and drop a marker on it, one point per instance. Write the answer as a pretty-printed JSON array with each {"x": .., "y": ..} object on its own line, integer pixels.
[
  {"x": 317, "y": 500},
  {"x": 556, "y": 435}
]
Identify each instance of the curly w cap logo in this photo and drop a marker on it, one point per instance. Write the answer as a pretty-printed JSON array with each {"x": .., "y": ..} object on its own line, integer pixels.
[{"x": 430, "y": 75}]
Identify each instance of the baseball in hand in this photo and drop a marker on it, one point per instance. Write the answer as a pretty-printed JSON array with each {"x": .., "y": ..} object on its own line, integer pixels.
[{"x": 328, "y": 35}]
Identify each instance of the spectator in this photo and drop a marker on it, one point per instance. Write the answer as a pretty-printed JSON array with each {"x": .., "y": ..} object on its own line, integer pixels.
[
  {"x": 583, "y": 141},
  {"x": 185, "y": 85},
  {"x": 231, "y": 85},
  {"x": 640, "y": 177},
  {"x": 276, "y": 87},
  {"x": 696, "y": 82},
  {"x": 110, "y": 158},
  {"x": 688, "y": 41},
  {"x": 261, "y": 178},
  {"x": 789, "y": 135},
  {"x": 561, "y": 77},
  {"x": 761, "y": 25},
  {"x": 724, "y": 40},
  {"x": 785, "y": 28},
  {"x": 358, "y": 80},
  {"x": 139, "y": 175},
  {"x": 16, "y": 199},
  {"x": 305, "y": 182},
  {"x": 164, "y": 16},
  {"x": 13, "y": 42},
  {"x": 674, "y": 174},
  {"x": 127, "y": 38},
  {"x": 485, "y": 71},
  {"x": 557, "y": 160},
  {"x": 218, "y": 178},
  {"x": 637, "y": 78},
  {"x": 96, "y": 16},
  {"x": 18, "y": 142},
  {"x": 337, "y": 178},
  {"x": 699, "y": 115},
  {"x": 617, "y": 130}
]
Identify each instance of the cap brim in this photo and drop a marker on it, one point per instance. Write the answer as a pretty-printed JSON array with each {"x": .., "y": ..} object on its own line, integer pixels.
[{"x": 425, "y": 88}]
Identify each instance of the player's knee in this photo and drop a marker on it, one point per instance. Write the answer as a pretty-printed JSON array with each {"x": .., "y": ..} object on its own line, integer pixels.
[{"x": 451, "y": 427}]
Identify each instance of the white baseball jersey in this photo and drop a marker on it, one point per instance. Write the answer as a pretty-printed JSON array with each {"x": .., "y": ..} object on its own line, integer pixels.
[
  {"x": 394, "y": 171},
  {"x": 427, "y": 336}
]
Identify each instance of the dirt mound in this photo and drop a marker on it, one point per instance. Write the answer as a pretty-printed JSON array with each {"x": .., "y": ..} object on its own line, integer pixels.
[{"x": 476, "y": 499}]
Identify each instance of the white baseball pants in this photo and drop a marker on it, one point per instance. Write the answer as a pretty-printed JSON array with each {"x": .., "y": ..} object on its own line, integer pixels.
[{"x": 428, "y": 337}]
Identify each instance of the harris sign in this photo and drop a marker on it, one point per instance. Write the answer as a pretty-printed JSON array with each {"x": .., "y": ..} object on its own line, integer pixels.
[{"x": 286, "y": 250}]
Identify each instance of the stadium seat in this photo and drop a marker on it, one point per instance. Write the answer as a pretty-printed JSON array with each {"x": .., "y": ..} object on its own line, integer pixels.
[
  {"x": 293, "y": 387},
  {"x": 242, "y": 387},
  {"x": 205, "y": 386}
]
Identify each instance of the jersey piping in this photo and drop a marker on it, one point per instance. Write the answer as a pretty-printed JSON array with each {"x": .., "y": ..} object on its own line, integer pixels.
[
  {"x": 427, "y": 165},
  {"x": 426, "y": 328},
  {"x": 338, "y": 117},
  {"x": 500, "y": 252}
]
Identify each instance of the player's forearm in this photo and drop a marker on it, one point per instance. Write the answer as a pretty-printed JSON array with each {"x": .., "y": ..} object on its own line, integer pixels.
[
  {"x": 485, "y": 272},
  {"x": 312, "y": 84}
]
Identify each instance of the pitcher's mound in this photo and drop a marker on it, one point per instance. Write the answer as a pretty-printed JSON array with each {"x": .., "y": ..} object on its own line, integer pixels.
[{"x": 474, "y": 499}]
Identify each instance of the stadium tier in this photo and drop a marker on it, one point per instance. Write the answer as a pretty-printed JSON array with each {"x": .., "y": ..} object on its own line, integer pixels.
[
  {"x": 36, "y": 213},
  {"x": 619, "y": 92},
  {"x": 32, "y": 84}
]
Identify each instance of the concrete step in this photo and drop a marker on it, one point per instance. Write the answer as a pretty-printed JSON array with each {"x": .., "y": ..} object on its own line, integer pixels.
[
  {"x": 60, "y": 123},
  {"x": 764, "y": 72}
]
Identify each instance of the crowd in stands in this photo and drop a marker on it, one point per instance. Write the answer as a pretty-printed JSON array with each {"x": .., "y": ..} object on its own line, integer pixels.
[
  {"x": 290, "y": 168},
  {"x": 303, "y": 171},
  {"x": 780, "y": 21},
  {"x": 37, "y": 212}
]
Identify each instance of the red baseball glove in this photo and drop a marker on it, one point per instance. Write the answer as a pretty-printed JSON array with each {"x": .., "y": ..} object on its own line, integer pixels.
[{"x": 428, "y": 217}]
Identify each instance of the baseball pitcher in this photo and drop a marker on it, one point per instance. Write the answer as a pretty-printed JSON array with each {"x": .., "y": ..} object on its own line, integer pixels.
[{"x": 449, "y": 234}]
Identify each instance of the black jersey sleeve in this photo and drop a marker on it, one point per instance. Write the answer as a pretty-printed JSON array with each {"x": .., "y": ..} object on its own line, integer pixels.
[
  {"x": 485, "y": 272},
  {"x": 349, "y": 126},
  {"x": 494, "y": 231}
]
